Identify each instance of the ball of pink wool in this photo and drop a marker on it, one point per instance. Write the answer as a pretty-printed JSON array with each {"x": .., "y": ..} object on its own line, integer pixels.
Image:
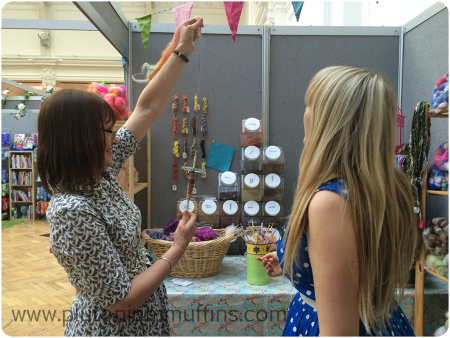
[
  {"x": 120, "y": 104},
  {"x": 206, "y": 234}
]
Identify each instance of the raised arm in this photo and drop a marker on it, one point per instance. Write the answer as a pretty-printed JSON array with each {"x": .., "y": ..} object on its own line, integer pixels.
[{"x": 154, "y": 97}]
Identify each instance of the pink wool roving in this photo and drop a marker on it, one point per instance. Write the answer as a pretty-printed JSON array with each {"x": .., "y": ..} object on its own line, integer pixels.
[{"x": 116, "y": 98}]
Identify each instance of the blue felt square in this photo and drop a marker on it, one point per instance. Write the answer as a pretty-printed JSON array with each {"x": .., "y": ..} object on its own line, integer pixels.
[{"x": 220, "y": 156}]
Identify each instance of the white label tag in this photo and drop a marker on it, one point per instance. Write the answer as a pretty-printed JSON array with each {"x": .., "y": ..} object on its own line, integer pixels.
[
  {"x": 416, "y": 210},
  {"x": 194, "y": 191},
  {"x": 174, "y": 187},
  {"x": 184, "y": 155},
  {"x": 187, "y": 109},
  {"x": 187, "y": 130}
]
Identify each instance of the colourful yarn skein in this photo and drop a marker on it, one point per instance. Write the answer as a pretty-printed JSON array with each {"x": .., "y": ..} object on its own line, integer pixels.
[
  {"x": 196, "y": 103},
  {"x": 184, "y": 109},
  {"x": 203, "y": 126},
  {"x": 194, "y": 126},
  {"x": 205, "y": 105},
  {"x": 175, "y": 103},
  {"x": 186, "y": 174},
  {"x": 183, "y": 128},
  {"x": 176, "y": 151},
  {"x": 194, "y": 147},
  {"x": 175, "y": 126}
]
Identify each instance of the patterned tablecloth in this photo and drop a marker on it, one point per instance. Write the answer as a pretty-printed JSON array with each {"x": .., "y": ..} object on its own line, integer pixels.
[{"x": 226, "y": 305}]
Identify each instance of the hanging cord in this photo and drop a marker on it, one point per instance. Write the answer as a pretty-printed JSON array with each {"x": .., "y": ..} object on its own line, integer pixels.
[
  {"x": 175, "y": 103},
  {"x": 184, "y": 109},
  {"x": 194, "y": 126},
  {"x": 176, "y": 151},
  {"x": 196, "y": 103},
  {"x": 203, "y": 125},
  {"x": 202, "y": 145},
  {"x": 185, "y": 149},
  {"x": 175, "y": 126},
  {"x": 183, "y": 128},
  {"x": 186, "y": 174},
  {"x": 194, "y": 147},
  {"x": 175, "y": 171}
]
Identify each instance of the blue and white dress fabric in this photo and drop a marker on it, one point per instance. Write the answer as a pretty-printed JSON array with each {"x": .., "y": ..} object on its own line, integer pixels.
[
  {"x": 302, "y": 318},
  {"x": 96, "y": 239}
]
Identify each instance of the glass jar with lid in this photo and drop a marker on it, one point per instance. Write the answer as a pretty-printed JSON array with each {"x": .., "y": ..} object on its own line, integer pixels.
[
  {"x": 273, "y": 188},
  {"x": 230, "y": 213},
  {"x": 251, "y": 161},
  {"x": 181, "y": 207},
  {"x": 272, "y": 213},
  {"x": 209, "y": 211},
  {"x": 251, "y": 213},
  {"x": 273, "y": 160},
  {"x": 251, "y": 188},
  {"x": 228, "y": 188},
  {"x": 252, "y": 133}
]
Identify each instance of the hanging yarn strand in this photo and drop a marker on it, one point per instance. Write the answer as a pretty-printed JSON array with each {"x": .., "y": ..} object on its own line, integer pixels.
[
  {"x": 176, "y": 151},
  {"x": 175, "y": 175},
  {"x": 202, "y": 145},
  {"x": 175, "y": 126},
  {"x": 175, "y": 103},
  {"x": 194, "y": 147},
  {"x": 205, "y": 105},
  {"x": 186, "y": 174},
  {"x": 185, "y": 149},
  {"x": 196, "y": 103},
  {"x": 152, "y": 70},
  {"x": 203, "y": 126},
  {"x": 183, "y": 128},
  {"x": 194, "y": 126},
  {"x": 184, "y": 109}
]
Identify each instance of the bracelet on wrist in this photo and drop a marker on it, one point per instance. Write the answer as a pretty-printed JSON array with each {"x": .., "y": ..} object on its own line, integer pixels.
[
  {"x": 167, "y": 260},
  {"x": 181, "y": 55}
]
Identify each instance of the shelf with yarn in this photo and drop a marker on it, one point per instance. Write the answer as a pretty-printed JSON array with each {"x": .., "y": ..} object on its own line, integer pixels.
[
  {"x": 436, "y": 114},
  {"x": 420, "y": 263}
]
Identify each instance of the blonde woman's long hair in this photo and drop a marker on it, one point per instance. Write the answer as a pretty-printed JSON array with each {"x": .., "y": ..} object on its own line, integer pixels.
[{"x": 353, "y": 134}]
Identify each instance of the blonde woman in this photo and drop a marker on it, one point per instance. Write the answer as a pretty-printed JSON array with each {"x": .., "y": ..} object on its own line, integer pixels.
[{"x": 352, "y": 224}]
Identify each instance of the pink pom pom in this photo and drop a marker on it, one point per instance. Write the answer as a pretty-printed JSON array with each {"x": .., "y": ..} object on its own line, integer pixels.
[{"x": 120, "y": 104}]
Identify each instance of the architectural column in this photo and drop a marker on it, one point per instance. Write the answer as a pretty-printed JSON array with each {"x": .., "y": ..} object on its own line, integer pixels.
[{"x": 48, "y": 78}]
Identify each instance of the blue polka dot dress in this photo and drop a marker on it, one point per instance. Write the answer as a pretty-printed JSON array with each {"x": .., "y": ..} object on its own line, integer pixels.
[{"x": 302, "y": 319}]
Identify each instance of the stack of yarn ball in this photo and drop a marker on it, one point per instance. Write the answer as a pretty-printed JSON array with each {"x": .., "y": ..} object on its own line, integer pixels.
[
  {"x": 116, "y": 98},
  {"x": 435, "y": 237},
  {"x": 439, "y": 100},
  {"x": 202, "y": 234},
  {"x": 438, "y": 173}
]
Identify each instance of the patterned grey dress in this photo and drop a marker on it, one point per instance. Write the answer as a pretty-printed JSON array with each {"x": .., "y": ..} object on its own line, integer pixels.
[{"x": 97, "y": 241}]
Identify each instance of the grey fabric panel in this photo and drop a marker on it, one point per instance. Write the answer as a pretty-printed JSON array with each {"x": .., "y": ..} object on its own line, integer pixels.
[
  {"x": 230, "y": 78},
  {"x": 25, "y": 125},
  {"x": 294, "y": 61},
  {"x": 425, "y": 61}
]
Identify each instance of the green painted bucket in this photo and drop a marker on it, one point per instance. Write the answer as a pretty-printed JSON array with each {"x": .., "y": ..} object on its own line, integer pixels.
[{"x": 256, "y": 272}]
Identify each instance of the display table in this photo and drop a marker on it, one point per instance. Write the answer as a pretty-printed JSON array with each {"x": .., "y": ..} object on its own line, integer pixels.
[
  {"x": 435, "y": 304},
  {"x": 226, "y": 305},
  {"x": 241, "y": 309}
]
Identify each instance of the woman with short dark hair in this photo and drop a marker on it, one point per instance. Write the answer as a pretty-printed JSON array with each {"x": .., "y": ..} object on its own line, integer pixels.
[{"x": 94, "y": 225}]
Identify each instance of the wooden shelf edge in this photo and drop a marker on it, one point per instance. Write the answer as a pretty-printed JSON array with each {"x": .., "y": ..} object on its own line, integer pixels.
[
  {"x": 137, "y": 187},
  {"x": 445, "y": 279},
  {"x": 441, "y": 113},
  {"x": 437, "y": 193}
]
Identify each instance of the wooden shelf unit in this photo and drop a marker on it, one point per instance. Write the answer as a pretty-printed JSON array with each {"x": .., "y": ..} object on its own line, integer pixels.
[
  {"x": 32, "y": 201},
  {"x": 420, "y": 263}
]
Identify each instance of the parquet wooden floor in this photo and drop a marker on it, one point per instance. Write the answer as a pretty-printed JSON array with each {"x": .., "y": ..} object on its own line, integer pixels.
[{"x": 32, "y": 280}]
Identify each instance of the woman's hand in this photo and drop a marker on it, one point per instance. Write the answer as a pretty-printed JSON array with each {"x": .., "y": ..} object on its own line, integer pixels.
[
  {"x": 190, "y": 31},
  {"x": 270, "y": 262},
  {"x": 185, "y": 230}
]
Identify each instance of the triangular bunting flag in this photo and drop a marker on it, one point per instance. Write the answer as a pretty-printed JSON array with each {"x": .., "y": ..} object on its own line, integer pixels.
[
  {"x": 297, "y": 8},
  {"x": 233, "y": 10},
  {"x": 182, "y": 13},
  {"x": 145, "y": 22}
]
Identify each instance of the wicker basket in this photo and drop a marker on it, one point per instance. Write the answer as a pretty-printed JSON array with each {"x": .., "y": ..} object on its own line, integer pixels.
[{"x": 201, "y": 259}]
